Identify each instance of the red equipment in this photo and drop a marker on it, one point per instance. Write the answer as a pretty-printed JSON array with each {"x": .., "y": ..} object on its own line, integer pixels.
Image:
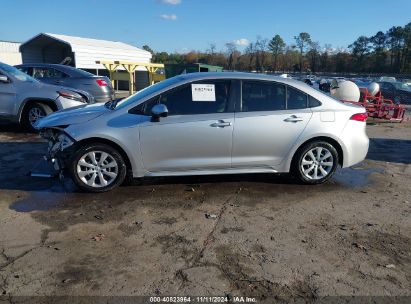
[{"x": 379, "y": 107}]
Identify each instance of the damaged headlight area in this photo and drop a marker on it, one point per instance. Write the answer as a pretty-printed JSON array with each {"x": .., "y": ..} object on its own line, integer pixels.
[{"x": 58, "y": 141}]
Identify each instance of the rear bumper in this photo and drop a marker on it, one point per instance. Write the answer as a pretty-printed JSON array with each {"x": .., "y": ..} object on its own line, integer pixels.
[
  {"x": 356, "y": 143},
  {"x": 105, "y": 98}
]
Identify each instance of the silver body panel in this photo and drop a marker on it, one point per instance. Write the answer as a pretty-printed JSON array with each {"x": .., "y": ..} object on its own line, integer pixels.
[{"x": 192, "y": 144}]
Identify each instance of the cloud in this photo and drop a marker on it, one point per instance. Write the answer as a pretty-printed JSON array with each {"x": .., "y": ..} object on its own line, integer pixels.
[
  {"x": 168, "y": 17},
  {"x": 171, "y": 2},
  {"x": 240, "y": 42}
]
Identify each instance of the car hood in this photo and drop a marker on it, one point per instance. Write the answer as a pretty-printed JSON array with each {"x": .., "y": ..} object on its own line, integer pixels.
[{"x": 72, "y": 116}]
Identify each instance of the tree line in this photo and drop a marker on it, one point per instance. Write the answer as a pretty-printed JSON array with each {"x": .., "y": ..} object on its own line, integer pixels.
[{"x": 384, "y": 52}]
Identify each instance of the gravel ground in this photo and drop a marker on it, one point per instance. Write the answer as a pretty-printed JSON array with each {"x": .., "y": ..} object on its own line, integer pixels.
[{"x": 260, "y": 236}]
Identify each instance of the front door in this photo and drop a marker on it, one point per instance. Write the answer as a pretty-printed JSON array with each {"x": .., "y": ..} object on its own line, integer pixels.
[
  {"x": 271, "y": 118},
  {"x": 7, "y": 97},
  {"x": 196, "y": 135}
]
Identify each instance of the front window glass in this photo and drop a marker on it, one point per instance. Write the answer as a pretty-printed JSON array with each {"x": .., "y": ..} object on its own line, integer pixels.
[
  {"x": 19, "y": 75},
  {"x": 148, "y": 91},
  {"x": 24, "y": 70},
  {"x": 198, "y": 98}
]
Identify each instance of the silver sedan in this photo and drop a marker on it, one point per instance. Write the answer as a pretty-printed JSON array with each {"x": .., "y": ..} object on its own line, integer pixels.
[{"x": 208, "y": 123}]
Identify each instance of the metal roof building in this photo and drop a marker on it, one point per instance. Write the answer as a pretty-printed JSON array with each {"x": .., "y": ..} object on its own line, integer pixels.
[
  {"x": 9, "y": 52},
  {"x": 78, "y": 52}
]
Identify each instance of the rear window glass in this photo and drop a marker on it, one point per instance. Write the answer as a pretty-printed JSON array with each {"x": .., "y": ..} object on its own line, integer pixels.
[{"x": 262, "y": 96}]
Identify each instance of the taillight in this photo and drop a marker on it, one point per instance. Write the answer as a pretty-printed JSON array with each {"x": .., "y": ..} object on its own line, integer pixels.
[
  {"x": 102, "y": 82},
  {"x": 71, "y": 95},
  {"x": 359, "y": 117}
]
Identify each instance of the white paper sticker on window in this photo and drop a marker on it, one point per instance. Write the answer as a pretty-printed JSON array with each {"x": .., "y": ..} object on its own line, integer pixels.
[{"x": 203, "y": 92}]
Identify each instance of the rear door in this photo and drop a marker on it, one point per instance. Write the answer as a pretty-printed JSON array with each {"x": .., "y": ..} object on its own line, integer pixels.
[
  {"x": 269, "y": 121},
  {"x": 196, "y": 135}
]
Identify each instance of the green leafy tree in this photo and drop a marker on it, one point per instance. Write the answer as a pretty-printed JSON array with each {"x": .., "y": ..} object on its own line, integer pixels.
[
  {"x": 302, "y": 41},
  {"x": 395, "y": 37},
  {"x": 276, "y": 46},
  {"x": 379, "y": 42},
  {"x": 148, "y": 49},
  {"x": 314, "y": 55},
  {"x": 359, "y": 49}
]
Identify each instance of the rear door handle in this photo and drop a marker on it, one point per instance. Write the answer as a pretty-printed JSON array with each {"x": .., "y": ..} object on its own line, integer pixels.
[
  {"x": 221, "y": 124},
  {"x": 293, "y": 118}
]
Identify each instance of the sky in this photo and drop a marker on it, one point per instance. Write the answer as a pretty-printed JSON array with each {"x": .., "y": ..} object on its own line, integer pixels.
[{"x": 185, "y": 25}]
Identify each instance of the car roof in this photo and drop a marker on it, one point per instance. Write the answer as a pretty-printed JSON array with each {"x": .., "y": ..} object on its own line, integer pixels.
[
  {"x": 72, "y": 71},
  {"x": 251, "y": 76}
]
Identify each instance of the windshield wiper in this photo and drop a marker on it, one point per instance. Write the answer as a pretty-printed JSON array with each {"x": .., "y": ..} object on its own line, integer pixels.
[{"x": 112, "y": 104}]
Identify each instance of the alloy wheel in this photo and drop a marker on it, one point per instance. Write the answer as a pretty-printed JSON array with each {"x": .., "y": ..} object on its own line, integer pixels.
[
  {"x": 97, "y": 169},
  {"x": 317, "y": 163},
  {"x": 35, "y": 114}
]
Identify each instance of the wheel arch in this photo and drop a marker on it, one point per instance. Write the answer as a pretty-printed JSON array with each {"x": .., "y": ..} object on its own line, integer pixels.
[
  {"x": 49, "y": 102},
  {"x": 327, "y": 139},
  {"x": 100, "y": 140}
]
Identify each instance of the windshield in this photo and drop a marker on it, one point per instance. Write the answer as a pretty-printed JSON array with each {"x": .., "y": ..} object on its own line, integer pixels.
[
  {"x": 19, "y": 75},
  {"x": 402, "y": 86},
  {"x": 148, "y": 91}
]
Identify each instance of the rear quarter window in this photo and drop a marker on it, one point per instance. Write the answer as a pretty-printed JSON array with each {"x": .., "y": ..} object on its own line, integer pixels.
[
  {"x": 296, "y": 99},
  {"x": 312, "y": 102}
]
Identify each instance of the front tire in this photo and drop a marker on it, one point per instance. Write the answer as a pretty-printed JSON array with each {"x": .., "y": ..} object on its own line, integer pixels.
[
  {"x": 97, "y": 168},
  {"x": 315, "y": 162},
  {"x": 33, "y": 112}
]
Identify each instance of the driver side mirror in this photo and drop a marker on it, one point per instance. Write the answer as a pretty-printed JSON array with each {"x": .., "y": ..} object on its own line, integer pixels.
[
  {"x": 4, "y": 79},
  {"x": 159, "y": 110}
]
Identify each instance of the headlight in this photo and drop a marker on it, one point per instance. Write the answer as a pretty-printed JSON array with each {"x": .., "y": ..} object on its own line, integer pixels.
[{"x": 71, "y": 95}]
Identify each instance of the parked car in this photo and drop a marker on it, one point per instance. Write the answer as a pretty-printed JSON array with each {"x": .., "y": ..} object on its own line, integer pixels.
[
  {"x": 396, "y": 91},
  {"x": 98, "y": 86},
  {"x": 208, "y": 123},
  {"x": 23, "y": 99}
]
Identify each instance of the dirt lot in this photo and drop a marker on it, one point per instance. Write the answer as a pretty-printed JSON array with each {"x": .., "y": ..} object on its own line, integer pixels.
[{"x": 267, "y": 237}]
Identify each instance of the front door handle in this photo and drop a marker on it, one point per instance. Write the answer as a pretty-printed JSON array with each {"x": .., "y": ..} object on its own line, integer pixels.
[
  {"x": 221, "y": 124},
  {"x": 293, "y": 118}
]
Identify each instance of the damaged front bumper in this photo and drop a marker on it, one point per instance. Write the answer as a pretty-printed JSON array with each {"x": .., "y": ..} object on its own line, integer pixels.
[{"x": 59, "y": 151}]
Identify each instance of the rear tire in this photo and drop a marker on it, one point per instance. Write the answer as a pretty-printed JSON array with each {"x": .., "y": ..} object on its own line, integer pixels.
[
  {"x": 32, "y": 113},
  {"x": 97, "y": 168},
  {"x": 315, "y": 162}
]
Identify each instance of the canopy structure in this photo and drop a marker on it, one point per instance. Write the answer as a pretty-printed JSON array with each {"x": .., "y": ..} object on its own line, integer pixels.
[
  {"x": 131, "y": 67},
  {"x": 79, "y": 52}
]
